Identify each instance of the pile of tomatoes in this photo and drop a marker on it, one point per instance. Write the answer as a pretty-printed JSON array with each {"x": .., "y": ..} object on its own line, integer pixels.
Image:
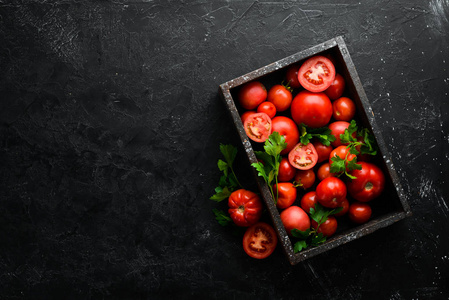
[{"x": 314, "y": 96}]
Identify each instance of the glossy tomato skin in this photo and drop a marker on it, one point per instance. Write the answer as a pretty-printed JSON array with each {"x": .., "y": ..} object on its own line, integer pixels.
[
  {"x": 312, "y": 109},
  {"x": 286, "y": 170},
  {"x": 369, "y": 184},
  {"x": 345, "y": 205},
  {"x": 303, "y": 157},
  {"x": 260, "y": 240},
  {"x": 343, "y": 109},
  {"x": 337, "y": 128},
  {"x": 280, "y": 97},
  {"x": 324, "y": 172},
  {"x": 359, "y": 212},
  {"x": 316, "y": 74},
  {"x": 286, "y": 192},
  {"x": 336, "y": 89},
  {"x": 295, "y": 217},
  {"x": 251, "y": 94},
  {"x": 268, "y": 108},
  {"x": 322, "y": 150},
  {"x": 245, "y": 115},
  {"x": 291, "y": 76},
  {"x": 258, "y": 127},
  {"x": 287, "y": 128},
  {"x": 305, "y": 178},
  {"x": 245, "y": 207},
  {"x": 308, "y": 201},
  {"x": 328, "y": 228},
  {"x": 331, "y": 192}
]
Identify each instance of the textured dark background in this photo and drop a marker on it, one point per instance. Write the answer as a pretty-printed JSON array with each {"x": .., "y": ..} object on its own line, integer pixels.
[{"x": 110, "y": 123}]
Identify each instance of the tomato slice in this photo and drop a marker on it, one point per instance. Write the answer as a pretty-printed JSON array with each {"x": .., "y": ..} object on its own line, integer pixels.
[
  {"x": 260, "y": 240},
  {"x": 258, "y": 127},
  {"x": 303, "y": 157},
  {"x": 316, "y": 74}
]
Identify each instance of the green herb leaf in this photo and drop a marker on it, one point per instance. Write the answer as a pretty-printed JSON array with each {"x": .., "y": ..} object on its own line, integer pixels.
[
  {"x": 317, "y": 239},
  {"x": 229, "y": 152},
  {"x": 223, "y": 166},
  {"x": 347, "y": 137},
  {"x": 369, "y": 145},
  {"x": 261, "y": 169},
  {"x": 300, "y": 234},
  {"x": 221, "y": 217},
  {"x": 322, "y": 134},
  {"x": 275, "y": 144},
  {"x": 338, "y": 165},
  {"x": 299, "y": 246},
  {"x": 221, "y": 194}
]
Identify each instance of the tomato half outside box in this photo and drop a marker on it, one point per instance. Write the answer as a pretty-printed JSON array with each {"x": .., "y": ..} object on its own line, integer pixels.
[{"x": 391, "y": 206}]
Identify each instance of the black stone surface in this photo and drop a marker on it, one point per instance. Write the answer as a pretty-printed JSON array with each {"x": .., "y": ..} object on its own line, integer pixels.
[{"x": 110, "y": 123}]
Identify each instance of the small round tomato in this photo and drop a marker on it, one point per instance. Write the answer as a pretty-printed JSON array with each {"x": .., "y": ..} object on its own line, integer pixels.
[
  {"x": 324, "y": 172},
  {"x": 286, "y": 193},
  {"x": 292, "y": 76},
  {"x": 369, "y": 182},
  {"x": 268, "y": 108},
  {"x": 305, "y": 178},
  {"x": 303, "y": 157},
  {"x": 245, "y": 207},
  {"x": 331, "y": 192},
  {"x": 316, "y": 74},
  {"x": 328, "y": 228},
  {"x": 258, "y": 127},
  {"x": 343, "y": 153},
  {"x": 287, "y": 128},
  {"x": 245, "y": 115},
  {"x": 345, "y": 205},
  {"x": 286, "y": 170},
  {"x": 338, "y": 128},
  {"x": 280, "y": 96},
  {"x": 260, "y": 240},
  {"x": 311, "y": 109},
  {"x": 322, "y": 150},
  {"x": 359, "y": 212},
  {"x": 308, "y": 201},
  {"x": 295, "y": 217},
  {"x": 336, "y": 89},
  {"x": 251, "y": 94},
  {"x": 343, "y": 109}
]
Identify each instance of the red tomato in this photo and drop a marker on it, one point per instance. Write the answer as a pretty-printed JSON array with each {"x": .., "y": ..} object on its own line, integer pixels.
[
  {"x": 345, "y": 205},
  {"x": 292, "y": 76},
  {"x": 286, "y": 127},
  {"x": 251, "y": 94},
  {"x": 338, "y": 128},
  {"x": 258, "y": 127},
  {"x": 369, "y": 184},
  {"x": 331, "y": 192},
  {"x": 322, "y": 150},
  {"x": 327, "y": 228},
  {"x": 260, "y": 240},
  {"x": 286, "y": 170},
  {"x": 305, "y": 178},
  {"x": 245, "y": 207},
  {"x": 359, "y": 212},
  {"x": 336, "y": 89},
  {"x": 342, "y": 152},
  {"x": 343, "y": 109},
  {"x": 312, "y": 109},
  {"x": 295, "y": 217},
  {"x": 280, "y": 96},
  {"x": 316, "y": 74},
  {"x": 268, "y": 108},
  {"x": 324, "y": 171},
  {"x": 286, "y": 192},
  {"x": 308, "y": 201},
  {"x": 245, "y": 115},
  {"x": 303, "y": 157}
]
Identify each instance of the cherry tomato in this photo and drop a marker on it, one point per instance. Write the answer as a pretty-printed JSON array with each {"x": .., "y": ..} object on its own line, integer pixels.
[
  {"x": 295, "y": 217},
  {"x": 324, "y": 172},
  {"x": 322, "y": 150},
  {"x": 303, "y": 157},
  {"x": 328, "y": 228},
  {"x": 305, "y": 178},
  {"x": 286, "y": 192},
  {"x": 336, "y": 89},
  {"x": 260, "y": 240},
  {"x": 369, "y": 184},
  {"x": 342, "y": 152},
  {"x": 280, "y": 96},
  {"x": 245, "y": 207},
  {"x": 331, "y": 192},
  {"x": 251, "y": 94},
  {"x": 286, "y": 170},
  {"x": 345, "y": 205},
  {"x": 268, "y": 108},
  {"x": 359, "y": 212},
  {"x": 258, "y": 127},
  {"x": 308, "y": 201},
  {"x": 245, "y": 115},
  {"x": 316, "y": 74},
  {"x": 312, "y": 109},
  {"x": 287, "y": 128},
  {"x": 292, "y": 76},
  {"x": 338, "y": 128},
  {"x": 343, "y": 109}
]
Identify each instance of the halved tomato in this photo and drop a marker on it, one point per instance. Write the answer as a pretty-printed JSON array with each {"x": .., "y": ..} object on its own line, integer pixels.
[
  {"x": 260, "y": 240},
  {"x": 303, "y": 157},
  {"x": 258, "y": 127},
  {"x": 316, "y": 74}
]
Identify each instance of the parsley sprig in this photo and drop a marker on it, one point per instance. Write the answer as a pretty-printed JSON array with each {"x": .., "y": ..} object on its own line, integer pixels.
[{"x": 322, "y": 134}]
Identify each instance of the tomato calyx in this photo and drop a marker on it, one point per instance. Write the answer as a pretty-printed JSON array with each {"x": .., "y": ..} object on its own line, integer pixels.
[{"x": 369, "y": 186}]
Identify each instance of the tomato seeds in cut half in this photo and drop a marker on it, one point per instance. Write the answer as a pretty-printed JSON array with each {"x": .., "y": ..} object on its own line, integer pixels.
[
  {"x": 316, "y": 74},
  {"x": 258, "y": 127}
]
